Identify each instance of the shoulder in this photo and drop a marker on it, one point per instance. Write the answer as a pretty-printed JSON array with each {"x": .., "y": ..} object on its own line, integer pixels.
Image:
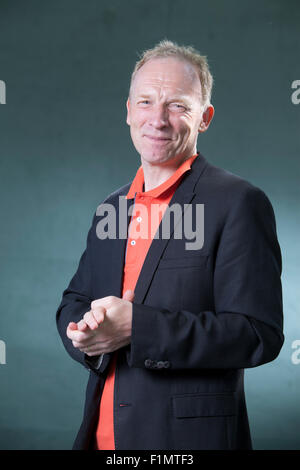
[
  {"x": 114, "y": 196},
  {"x": 228, "y": 197},
  {"x": 112, "y": 199},
  {"x": 229, "y": 188}
]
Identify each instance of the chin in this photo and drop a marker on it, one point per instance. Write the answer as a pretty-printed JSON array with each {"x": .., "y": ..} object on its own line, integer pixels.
[
  {"x": 157, "y": 156},
  {"x": 156, "y": 159}
]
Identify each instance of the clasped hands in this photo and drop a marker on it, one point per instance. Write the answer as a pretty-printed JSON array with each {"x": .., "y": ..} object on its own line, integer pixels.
[{"x": 106, "y": 327}]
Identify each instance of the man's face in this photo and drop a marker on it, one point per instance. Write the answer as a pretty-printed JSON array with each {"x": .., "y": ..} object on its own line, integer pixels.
[{"x": 165, "y": 111}]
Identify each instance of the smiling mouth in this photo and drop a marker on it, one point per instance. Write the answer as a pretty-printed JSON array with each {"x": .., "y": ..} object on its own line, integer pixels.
[{"x": 158, "y": 139}]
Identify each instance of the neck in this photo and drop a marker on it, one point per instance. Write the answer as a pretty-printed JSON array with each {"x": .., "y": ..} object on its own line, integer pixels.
[{"x": 154, "y": 175}]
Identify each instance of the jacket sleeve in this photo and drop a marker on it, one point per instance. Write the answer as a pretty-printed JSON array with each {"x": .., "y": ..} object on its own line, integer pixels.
[
  {"x": 76, "y": 301},
  {"x": 245, "y": 328}
]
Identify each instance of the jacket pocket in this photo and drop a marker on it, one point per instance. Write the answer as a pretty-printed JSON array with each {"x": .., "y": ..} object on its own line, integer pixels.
[{"x": 201, "y": 405}]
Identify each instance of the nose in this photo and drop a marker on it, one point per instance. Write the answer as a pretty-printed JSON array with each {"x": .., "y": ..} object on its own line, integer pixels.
[{"x": 159, "y": 116}]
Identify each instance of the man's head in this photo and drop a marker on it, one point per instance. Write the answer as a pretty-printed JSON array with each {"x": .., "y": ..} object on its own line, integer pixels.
[
  {"x": 165, "y": 49},
  {"x": 169, "y": 102}
]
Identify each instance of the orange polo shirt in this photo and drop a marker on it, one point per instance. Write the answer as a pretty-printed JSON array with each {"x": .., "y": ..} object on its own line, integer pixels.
[{"x": 141, "y": 231}]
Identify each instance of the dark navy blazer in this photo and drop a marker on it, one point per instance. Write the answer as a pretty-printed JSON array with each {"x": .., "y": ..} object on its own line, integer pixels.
[{"x": 200, "y": 317}]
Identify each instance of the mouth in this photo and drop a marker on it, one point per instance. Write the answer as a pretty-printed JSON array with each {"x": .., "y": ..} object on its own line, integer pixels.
[{"x": 157, "y": 139}]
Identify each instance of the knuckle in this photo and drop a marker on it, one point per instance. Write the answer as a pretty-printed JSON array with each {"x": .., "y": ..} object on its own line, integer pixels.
[
  {"x": 98, "y": 315},
  {"x": 93, "y": 323},
  {"x": 100, "y": 308},
  {"x": 93, "y": 315},
  {"x": 96, "y": 303}
]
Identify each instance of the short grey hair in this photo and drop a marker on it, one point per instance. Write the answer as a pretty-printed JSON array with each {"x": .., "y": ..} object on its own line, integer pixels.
[{"x": 166, "y": 48}]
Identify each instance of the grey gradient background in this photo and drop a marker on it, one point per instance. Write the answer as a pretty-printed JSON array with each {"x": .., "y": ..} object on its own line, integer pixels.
[{"x": 64, "y": 145}]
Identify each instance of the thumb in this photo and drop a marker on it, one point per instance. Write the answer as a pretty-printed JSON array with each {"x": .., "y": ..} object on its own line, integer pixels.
[
  {"x": 72, "y": 326},
  {"x": 128, "y": 295}
]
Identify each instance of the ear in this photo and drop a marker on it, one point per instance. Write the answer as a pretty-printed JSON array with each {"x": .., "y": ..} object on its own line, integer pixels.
[
  {"x": 207, "y": 116},
  {"x": 128, "y": 112}
]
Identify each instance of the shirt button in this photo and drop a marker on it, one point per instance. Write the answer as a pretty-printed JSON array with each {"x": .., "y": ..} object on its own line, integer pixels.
[
  {"x": 133, "y": 242},
  {"x": 139, "y": 219}
]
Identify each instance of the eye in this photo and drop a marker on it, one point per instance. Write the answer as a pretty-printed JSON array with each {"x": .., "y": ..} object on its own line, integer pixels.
[
  {"x": 144, "y": 102},
  {"x": 177, "y": 107}
]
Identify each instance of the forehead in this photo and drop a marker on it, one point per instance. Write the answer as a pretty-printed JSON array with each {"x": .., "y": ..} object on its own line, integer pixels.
[{"x": 174, "y": 74}]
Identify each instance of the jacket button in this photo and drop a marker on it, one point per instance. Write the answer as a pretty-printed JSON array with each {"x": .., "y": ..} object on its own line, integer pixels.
[
  {"x": 160, "y": 365},
  {"x": 166, "y": 364},
  {"x": 148, "y": 363}
]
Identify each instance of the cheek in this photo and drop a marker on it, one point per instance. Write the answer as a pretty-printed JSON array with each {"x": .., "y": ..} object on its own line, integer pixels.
[
  {"x": 183, "y": 127},
  {"x": 138, "y": 118}
]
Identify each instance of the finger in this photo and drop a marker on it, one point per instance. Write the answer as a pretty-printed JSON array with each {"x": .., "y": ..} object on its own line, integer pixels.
[
  {"x": 82, "y": 325},
  {"x": 82, "y": 344},
  {"x": 79, "y": 345},
  {"x": 71, "y": 329},
  {"x": 90, "y": 320},
  {"x": 94, "y": 349},
  {"x": 101, "y": 347},
  {"x": 80, "y": 336},
  {"x": 97, "y": 303},
  {"x": 128, "y": 295},
  {"x": 70, "y": 333},
  {"x": 99, "y": 314},
  {"x": 103, "y": 302}
]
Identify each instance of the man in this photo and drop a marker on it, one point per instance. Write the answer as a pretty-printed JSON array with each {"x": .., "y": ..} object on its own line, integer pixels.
[{"x": 165, "y": 325}]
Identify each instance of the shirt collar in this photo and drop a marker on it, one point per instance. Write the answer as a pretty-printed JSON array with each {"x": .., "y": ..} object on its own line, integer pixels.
[{"x": 138, "y": 182}]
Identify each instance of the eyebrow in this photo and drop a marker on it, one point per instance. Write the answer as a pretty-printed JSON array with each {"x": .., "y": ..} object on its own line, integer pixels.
[{"x": 180, "y": 98}]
